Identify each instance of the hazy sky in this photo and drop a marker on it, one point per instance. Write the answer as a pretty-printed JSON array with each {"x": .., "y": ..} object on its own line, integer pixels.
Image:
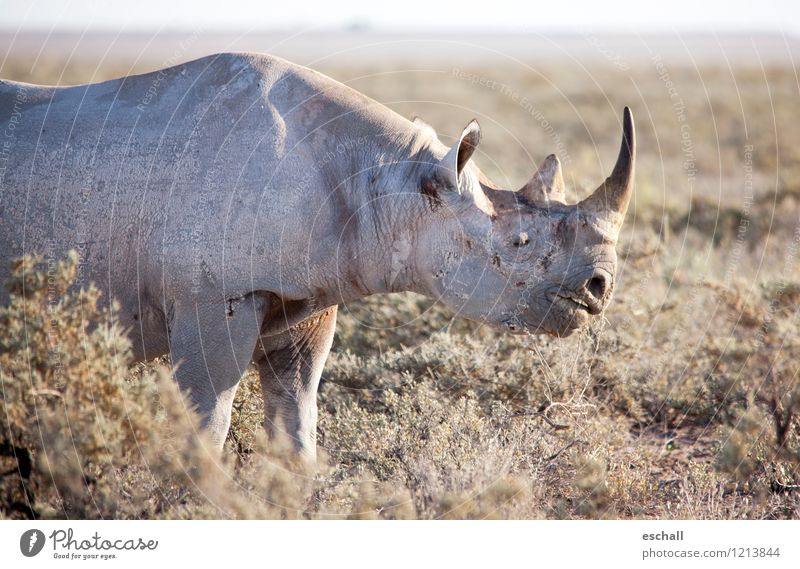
[{"x": 556, "y": 16}]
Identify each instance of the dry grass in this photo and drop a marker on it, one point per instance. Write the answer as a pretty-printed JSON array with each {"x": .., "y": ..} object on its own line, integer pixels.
[{"x": 681, "y": 403}]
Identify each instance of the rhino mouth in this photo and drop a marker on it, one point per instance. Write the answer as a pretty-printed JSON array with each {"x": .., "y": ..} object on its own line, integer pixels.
[
  {"x": 584, "y": 303},
  {"x": 564, "y": 314},
  {"x": 568, "y": 314}
]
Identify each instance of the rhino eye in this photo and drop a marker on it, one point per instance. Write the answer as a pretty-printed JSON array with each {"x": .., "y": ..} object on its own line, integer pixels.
[{"x": 520, "y": 240}]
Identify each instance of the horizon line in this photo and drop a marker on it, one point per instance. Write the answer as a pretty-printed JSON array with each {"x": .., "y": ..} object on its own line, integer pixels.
[{"x": 357, "y": 29}]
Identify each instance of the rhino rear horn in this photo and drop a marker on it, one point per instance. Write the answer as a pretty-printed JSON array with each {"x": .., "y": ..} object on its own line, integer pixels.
[
  {"x": 611, "y": 199},
  {"x": 459, "y": 154},
  {"x": 547, "y": 184}
]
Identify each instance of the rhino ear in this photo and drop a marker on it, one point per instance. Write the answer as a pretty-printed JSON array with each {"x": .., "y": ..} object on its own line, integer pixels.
[{"x": 453, "y": 163}]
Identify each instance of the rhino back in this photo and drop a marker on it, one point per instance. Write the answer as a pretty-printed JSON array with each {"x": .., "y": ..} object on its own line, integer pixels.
[
  {"x": 114, "y": 168},
  {"x": 187, "y": 180}
]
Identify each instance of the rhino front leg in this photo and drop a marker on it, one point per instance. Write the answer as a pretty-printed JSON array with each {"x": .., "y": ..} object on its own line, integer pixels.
[
  {"x": 211, "y": 346},
  {"x": 290, "y": 365}
]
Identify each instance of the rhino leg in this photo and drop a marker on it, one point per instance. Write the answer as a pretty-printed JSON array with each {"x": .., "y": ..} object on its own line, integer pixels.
[
  {"x": 211, "y": 346},
  {"x": 290, "y": 365}
]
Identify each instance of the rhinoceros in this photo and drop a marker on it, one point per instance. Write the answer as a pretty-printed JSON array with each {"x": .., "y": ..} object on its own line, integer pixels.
[{"x": 229, "y": 204}]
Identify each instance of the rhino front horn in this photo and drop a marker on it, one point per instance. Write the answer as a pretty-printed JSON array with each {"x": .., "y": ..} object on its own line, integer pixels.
[
  {"x": 547, "y": 184},
  {"x": 611, "y": 199}
]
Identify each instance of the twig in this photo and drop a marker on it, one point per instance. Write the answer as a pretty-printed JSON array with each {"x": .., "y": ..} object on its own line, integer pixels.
[
  {"x": 566, "y": 448},
  {"x": 542, "y": 414},
  {"x": 779, "y": 487},
  {"x": 50, "y": 392}
]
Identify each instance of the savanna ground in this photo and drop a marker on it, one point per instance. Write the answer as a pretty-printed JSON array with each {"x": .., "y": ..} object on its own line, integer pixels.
[{"x": 681, "y": 402}]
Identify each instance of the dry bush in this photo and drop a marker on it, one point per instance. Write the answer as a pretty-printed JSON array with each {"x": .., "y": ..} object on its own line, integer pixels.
[
  {"x": 83, "y": 438},
  {"x": 468, "y": 425}
]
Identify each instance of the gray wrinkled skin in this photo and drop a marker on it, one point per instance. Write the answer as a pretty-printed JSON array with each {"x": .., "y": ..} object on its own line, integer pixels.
[{"x": 231, "y": 203}]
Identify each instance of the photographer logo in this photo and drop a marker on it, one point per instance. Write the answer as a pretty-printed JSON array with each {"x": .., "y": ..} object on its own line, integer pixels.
[{"x": 31, "y": 542}]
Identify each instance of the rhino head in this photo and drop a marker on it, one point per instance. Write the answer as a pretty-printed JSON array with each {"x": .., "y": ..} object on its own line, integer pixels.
[{"x": 525, "y": 261}]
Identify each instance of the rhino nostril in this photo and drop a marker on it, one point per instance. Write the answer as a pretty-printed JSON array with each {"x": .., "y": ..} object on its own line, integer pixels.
[{"x": 596, "y": 286}]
